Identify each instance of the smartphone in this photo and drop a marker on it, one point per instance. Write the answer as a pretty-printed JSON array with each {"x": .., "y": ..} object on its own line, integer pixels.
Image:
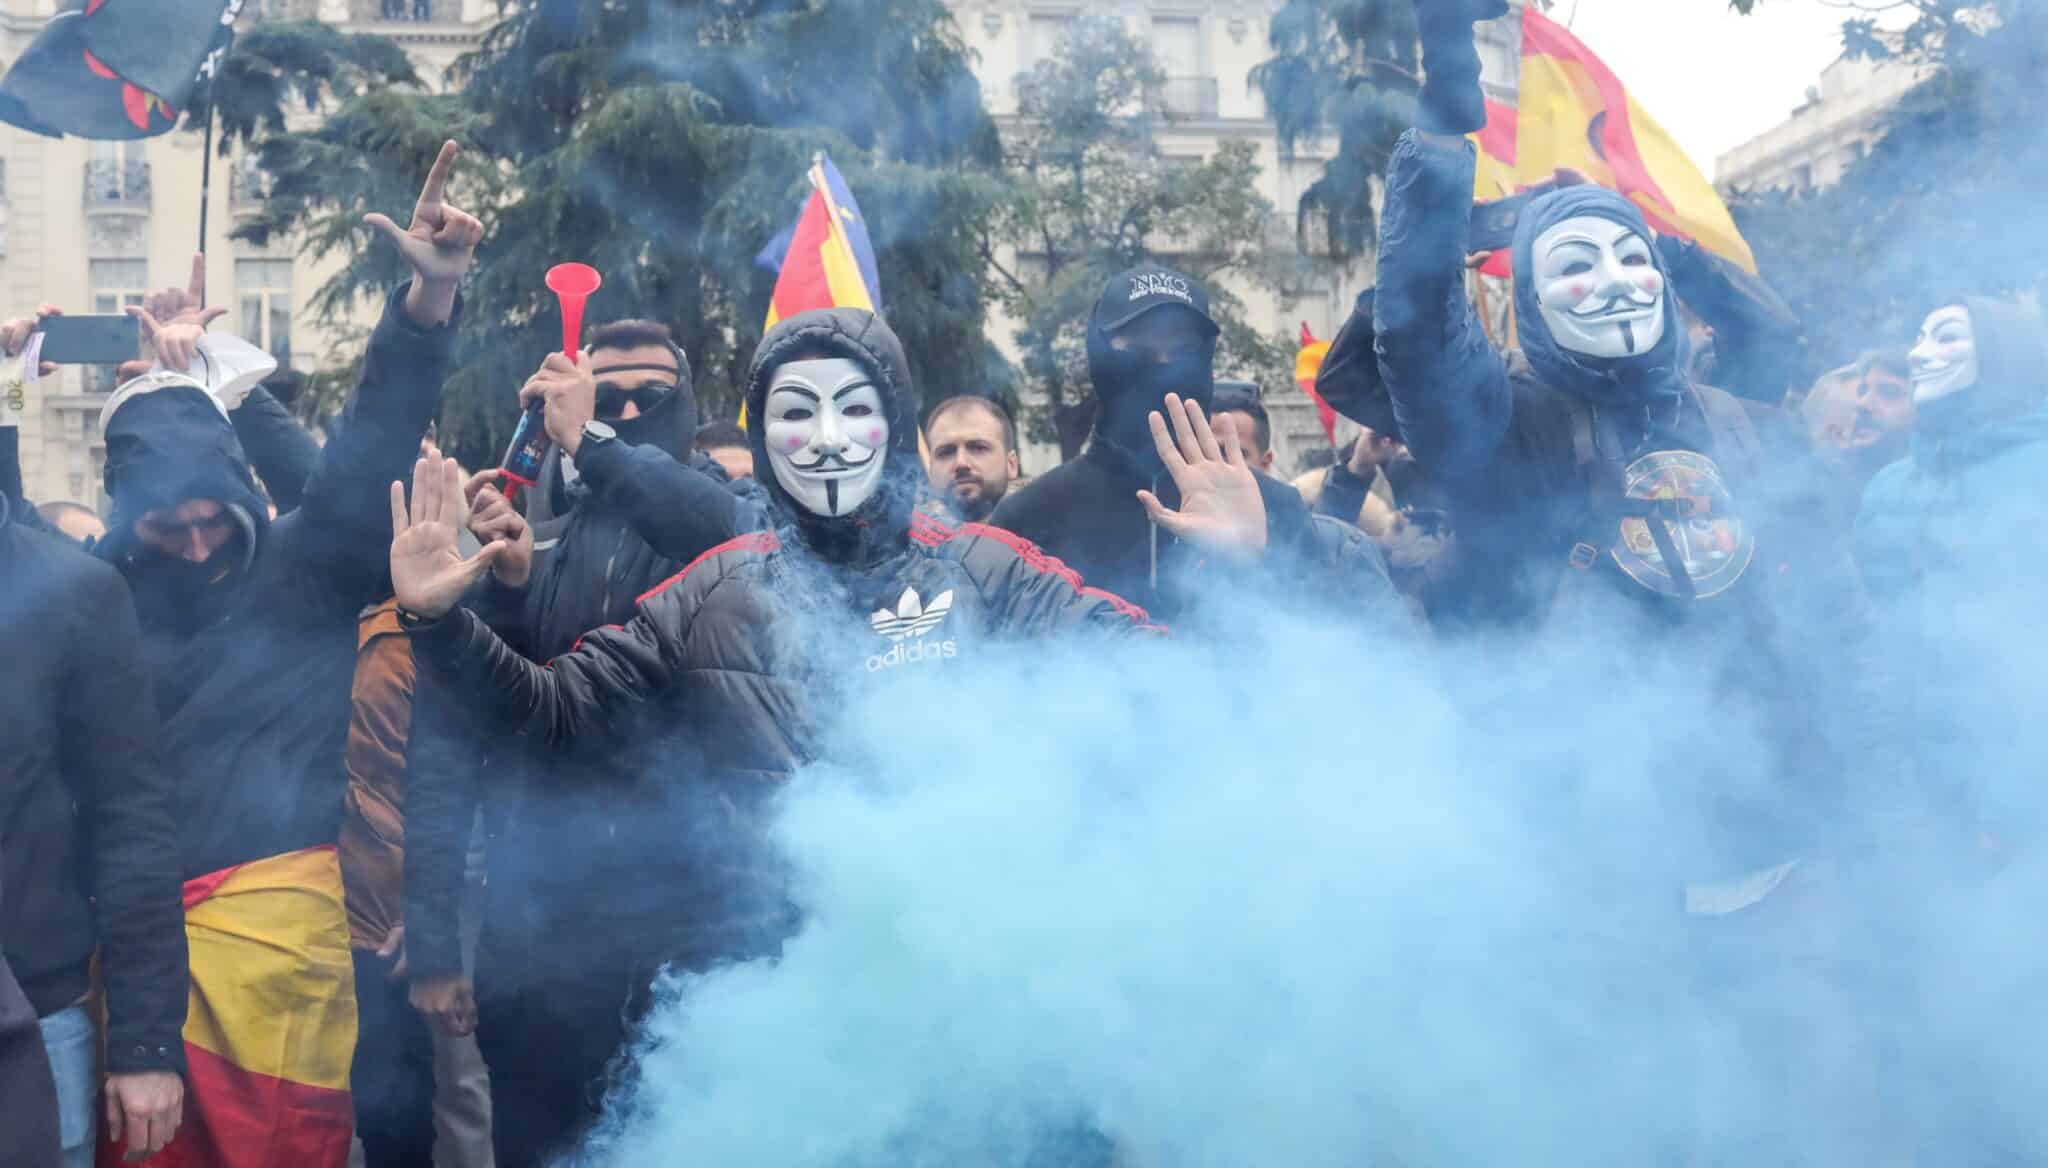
[
  {"x": 1493, "y": 223},
  {"x": 91, "y": 340}
]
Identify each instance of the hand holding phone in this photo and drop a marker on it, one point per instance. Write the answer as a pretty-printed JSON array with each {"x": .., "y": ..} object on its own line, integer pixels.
[{"x": 90, "y": 340}]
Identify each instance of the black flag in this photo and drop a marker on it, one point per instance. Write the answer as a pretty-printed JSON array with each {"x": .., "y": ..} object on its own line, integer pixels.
[{"x": 157, "y": 45}]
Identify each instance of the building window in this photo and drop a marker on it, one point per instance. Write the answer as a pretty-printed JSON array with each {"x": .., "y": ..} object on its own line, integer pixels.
[
  {"x": 1042, "y": 35},
  {"x": 407, "y": 10},
  {"x": 1177, "y": 44},
  {"x": 264, "y": 288},
  {"x": 116, "y": 285}
]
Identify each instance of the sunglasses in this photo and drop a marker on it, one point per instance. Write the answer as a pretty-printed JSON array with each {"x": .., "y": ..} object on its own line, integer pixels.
[
  {"x": 611, "y": 400},
  {"x": 168, "y": 529}
]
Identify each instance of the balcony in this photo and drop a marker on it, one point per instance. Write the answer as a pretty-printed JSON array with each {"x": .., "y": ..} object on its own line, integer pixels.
[
  {"x": 117, "y": 185},
  {"x": 1188, "y": 97},
  {"x": 406, "y": 11}
]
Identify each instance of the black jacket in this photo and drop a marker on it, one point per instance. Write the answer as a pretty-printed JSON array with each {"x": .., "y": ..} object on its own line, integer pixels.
[
  {"x": 1087, "y": 513},
  {"x": 28, "y": 1095},
  {"x": 85, "y": 817},
  {"x": 712, "y": 693},
  {"x": 641, "y": 512},
  {"x": 252, "y": 663}
]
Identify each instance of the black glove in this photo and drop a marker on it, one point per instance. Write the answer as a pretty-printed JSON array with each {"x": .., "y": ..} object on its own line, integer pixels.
[{"x": 1451, "y": 100}]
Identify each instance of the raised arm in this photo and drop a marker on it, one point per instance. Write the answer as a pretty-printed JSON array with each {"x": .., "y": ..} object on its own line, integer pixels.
[
  {"x": 378, "y": 435},
  {"x": 1449, "y": 385}
]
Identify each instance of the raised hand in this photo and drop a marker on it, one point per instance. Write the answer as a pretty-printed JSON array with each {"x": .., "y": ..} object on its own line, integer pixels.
[
  {"x": 14, "y": 334},
  {"x": 440, "y": 244},
  {"x": 428, "y": 573},
  {"x": 176, "y": 344},
  {"x": 185, "y": 305},
  {"x": 570, "y": 390},
  {"x": 492, "y": 519},
  {"x": 1220, "y": 506}
]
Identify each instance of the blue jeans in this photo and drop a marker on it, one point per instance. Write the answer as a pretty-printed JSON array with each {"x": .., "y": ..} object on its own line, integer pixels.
[{"x": 69, "y": 1040}]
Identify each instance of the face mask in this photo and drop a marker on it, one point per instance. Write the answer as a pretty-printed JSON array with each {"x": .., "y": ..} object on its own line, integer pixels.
[
  {"x": 827, "y": 434},
  {"x": 1132, "y": 382},
  {"x": 1944, "y": 359},
  {"x": 1598, "y": 287}
]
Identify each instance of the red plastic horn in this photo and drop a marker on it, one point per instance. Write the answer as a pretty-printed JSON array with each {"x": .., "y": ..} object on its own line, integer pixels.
[{"x": 573, "y": 283}]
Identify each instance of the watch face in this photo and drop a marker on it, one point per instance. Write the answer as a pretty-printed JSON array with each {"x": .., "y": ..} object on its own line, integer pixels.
[{"x": 599, "y": 431}]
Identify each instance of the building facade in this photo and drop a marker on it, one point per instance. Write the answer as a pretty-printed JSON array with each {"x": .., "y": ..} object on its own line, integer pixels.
[
  {"x": 1837, "y": 125},
  {"x": 92, "y": 226}
]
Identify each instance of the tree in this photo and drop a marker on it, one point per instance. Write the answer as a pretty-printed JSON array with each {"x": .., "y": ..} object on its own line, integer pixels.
[
  {"x": 1944, "y": 205},
  {"x": 1354, "y": 66},
  {"x": 1091, "y": 195},
  {"x": 665, "y": 142}
]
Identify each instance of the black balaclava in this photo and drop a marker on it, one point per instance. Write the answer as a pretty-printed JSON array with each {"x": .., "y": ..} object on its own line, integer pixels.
[
  {"x": 671, "y": 425},
  {"x": 1634, "y": 381},
  {"x": 882, "y": 523},
  {"x": 1128, "y": 385}
]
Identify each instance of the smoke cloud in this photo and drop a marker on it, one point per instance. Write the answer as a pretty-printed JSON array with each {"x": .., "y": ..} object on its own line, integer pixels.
[{"x": 1318, "y": 898}]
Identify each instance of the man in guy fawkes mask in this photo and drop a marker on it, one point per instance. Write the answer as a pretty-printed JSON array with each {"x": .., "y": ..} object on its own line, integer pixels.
[
  {"x": 717, "y": 684},
  {"x": 1944, "y": 541},
  {"x": 1151, "y": 335}
]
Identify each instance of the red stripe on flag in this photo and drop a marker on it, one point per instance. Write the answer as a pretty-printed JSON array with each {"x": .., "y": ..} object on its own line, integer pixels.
[
  {"x": 232, "y": 1121},
  {"x": 1617, "y": 142},
  {"x": 803, "y": 285}
]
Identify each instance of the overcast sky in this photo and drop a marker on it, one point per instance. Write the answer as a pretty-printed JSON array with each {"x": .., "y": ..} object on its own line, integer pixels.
[{"x": 1712, "y": 78}]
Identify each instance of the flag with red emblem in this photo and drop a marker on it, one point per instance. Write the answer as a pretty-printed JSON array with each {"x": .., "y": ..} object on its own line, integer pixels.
[
  {"x": 118, "y": 69},
  {"x": 1307, "y": 364}
]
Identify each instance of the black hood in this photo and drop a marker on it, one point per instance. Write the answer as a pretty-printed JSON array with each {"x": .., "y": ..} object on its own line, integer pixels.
[
  {"x": 671, "y": 426},
  {"x": 857, "y": 335},
  {"x": 2012, "y": 371},
  {"x": 1128, "y": 389},
  {"x": 169, "y": 446}
]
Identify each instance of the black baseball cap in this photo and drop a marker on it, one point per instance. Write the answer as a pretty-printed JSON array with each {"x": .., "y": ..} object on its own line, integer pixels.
[{"x": 1131, "y": 294}]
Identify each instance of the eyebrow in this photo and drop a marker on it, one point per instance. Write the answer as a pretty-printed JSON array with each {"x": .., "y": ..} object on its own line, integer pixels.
[
  {"x": 843, "y": 390},
  {"x": 1627, "y": 233},
  {"x": 1577, "y": 241},
  {"x": 794, "y": 389}
]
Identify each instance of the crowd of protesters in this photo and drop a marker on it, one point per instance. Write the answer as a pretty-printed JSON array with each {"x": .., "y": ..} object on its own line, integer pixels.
[{"x": 295, "y": 823}]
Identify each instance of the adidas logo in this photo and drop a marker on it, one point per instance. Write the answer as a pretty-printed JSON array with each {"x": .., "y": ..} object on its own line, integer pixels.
[{"x": 906, "y": 628}]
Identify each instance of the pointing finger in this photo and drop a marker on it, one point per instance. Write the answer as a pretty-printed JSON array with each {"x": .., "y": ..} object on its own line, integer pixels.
[
  {"x": 382, "y": 223},
  {"x": 196, "y": 286},
  {"x": 211, "y": 315},
  {"x": 150, "y": 327},
  {"x": 436, "y": 188},
  {"x": 479, "y": 482}
]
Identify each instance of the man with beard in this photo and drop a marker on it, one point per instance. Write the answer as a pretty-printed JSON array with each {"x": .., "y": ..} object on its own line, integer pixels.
[
  {"x": 249, "y": 632},
  {"x": 571, "y": 930},
  {"x": 1860, "y": 417},
  {"x": 1108, "y": 513},
  {"x": 973, "y": 447},
  {"x": 684, "y": 721}
]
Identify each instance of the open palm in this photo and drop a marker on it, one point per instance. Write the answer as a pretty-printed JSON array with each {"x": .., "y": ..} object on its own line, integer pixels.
[
  {"x": 428, "y": 573},
  {"x": 1220, "y": 505}
]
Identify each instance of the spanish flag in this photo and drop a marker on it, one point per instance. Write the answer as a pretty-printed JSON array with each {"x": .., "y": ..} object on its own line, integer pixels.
[
  {"x": 824, "y": 260},
  {"x": 270, "y": 1027},
  {"x": 1307, "y": 364},
  {"x": 1575, "y": 113}
]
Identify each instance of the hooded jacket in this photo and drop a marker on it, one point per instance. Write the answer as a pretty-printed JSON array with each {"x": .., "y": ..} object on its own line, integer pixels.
[
  {"x": 1516, "y": 447},
  {"x": 1086, "y": 511},
  {"x": 252, "y": 657},
  {"x": 1559, "y": 479},
  {"x": 641, "y": 508},
  {"x": 91, "y": 853},
  {"x": 720, "y": 681}
]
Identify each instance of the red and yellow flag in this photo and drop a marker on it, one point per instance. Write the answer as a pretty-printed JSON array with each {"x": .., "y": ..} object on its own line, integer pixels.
[
  {"x": 1575, "y": 113},
  {"x": 830, "y": 262},
  {"x": 1307, "y": 364},
  {"x": 270, "y": 1027}
]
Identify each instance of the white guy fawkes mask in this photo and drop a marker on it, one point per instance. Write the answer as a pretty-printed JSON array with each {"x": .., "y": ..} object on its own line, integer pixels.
[
  {"x": 1944, "y": 359},
  {"x": 1598, "y": 287},
  {"x": 827, "y": 434}
]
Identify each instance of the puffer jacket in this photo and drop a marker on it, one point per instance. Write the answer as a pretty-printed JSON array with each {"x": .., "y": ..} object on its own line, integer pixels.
[{"x": 717, "y": 686}]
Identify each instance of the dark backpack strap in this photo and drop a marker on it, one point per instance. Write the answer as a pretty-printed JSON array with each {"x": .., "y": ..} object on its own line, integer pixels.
[{"x": 1608, "y": 503}]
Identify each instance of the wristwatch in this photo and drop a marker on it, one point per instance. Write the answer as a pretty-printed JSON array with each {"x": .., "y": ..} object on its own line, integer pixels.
[{"x": 596, "y": 431}]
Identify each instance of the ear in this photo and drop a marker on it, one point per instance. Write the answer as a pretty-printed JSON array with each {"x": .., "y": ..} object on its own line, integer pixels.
[{"x": 1015, "y": 467}]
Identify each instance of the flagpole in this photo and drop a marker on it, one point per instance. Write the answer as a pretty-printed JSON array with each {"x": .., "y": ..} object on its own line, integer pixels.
[{"x": 206, "y": 168}]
